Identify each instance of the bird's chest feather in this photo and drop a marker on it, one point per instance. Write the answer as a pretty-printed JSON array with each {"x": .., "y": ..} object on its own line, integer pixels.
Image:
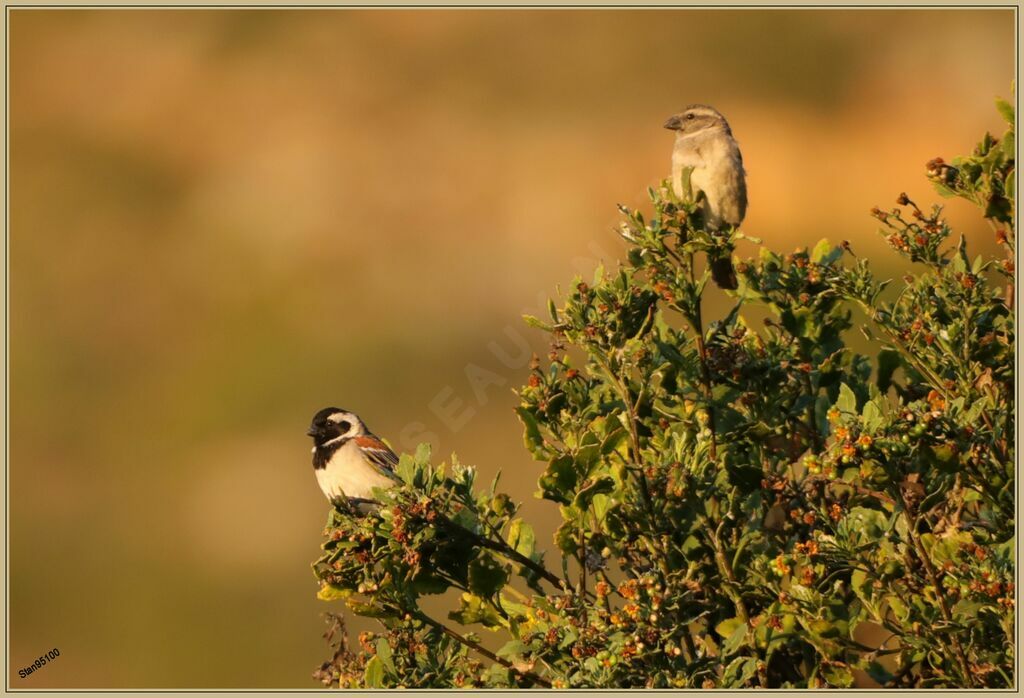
[
  {"x": 711, "y": 162},
  {"x": 717, "y": 171},
  {"x": 347, "y": 473}
]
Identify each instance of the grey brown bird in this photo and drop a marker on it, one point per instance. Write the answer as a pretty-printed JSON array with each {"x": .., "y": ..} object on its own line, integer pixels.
[{"x": 704, "y": 143}]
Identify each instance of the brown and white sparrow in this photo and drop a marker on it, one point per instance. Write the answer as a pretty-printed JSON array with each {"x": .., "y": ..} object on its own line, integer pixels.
[{"x": 704, "y": 143}]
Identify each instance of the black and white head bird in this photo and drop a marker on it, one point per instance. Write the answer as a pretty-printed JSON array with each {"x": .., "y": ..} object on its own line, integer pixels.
[
  {"x": 349, "y": 461},
  {"x": 704, "y": 142}
]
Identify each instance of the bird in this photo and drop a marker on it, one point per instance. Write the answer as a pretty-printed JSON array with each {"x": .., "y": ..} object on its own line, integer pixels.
[
  {"x": 348, "y": 459},
  {"x": 704, "y": 142}
]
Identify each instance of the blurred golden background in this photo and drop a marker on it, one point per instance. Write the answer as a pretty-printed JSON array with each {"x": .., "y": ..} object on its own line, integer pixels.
[{"x": 222, "y": 221}]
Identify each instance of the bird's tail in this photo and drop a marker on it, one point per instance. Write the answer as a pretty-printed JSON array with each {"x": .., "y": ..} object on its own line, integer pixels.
[{"x": 723, "y": 273}]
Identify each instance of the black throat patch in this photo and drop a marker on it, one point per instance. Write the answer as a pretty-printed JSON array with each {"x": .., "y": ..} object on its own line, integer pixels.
[{"x": 322, "y": 454}]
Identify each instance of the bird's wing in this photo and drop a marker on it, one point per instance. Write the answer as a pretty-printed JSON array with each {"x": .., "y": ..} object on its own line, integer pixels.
[{"x": 377, "y": 452}]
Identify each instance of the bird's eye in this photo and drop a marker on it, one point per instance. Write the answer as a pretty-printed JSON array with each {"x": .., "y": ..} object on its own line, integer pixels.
[{"x": 689, "y": 116}]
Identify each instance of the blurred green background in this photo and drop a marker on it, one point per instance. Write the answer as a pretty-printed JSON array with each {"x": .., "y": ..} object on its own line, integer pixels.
[{"x": 222, "y": 221}]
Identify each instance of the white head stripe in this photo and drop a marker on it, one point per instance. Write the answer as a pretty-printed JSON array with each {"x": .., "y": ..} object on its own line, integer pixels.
[
  {"x": 338, "y": 417},
  {"x": 334, "y": 440}
]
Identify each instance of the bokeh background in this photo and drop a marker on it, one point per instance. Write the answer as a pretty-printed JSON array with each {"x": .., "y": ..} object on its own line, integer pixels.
[{"x": 222, "y": 221}]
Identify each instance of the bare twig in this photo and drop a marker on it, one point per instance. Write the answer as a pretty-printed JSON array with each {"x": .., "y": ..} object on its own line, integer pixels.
[
  {"x": 939, "y": 593},
  {"x": 479, "y": 649}
]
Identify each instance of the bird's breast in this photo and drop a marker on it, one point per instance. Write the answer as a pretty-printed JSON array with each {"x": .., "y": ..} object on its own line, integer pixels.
[
  {"x": 718, "y": 172},
  {"x": 348, "y": 474}
]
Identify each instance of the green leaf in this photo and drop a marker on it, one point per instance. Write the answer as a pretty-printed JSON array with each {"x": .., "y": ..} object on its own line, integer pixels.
[
  {"x": 823, "y": 628},
  {"x": 406, "y": 468},
  {"x": 600, "y": 485},
  {"x": 862, "y": 525},
  {"x": 423, "y": 454},
  {"x": 587, "y": 455},
  {"x": 532, "y": 438},
  {"x": 974, "y": 412},
  {"x": 514, "y": 609},
  {"x": 946, "y": 548},
  {"x": 566, "y": 536},
  {"x": 726, "y": 627},
  {"x": 769, "y": 258},
  {"x": 739, "y": 672},
  {"x": 838, "y": 675},
  {"x": 329, "y": 592},
  {"x": 943, "y": 457},
  {"x": 847, "y": 401},
  {"x": 521, "y": 537},
  {"x": 374, "y": 676},
  {"x": 824, "y": 253},
  {"x": 368, "y": 610},
  {"x": 966, "y": 609},
  {"x": 473, "y": 609},
  {"x": 617, "y": 440},
  {"x": 684, "y": 180},
  {"x": 899, "y": 609},
  {"x": 860, "y": 584},
  {"x": 552, "y": 310},
  {"x": 539, "y": 324},
  {"x": 601, "y": 504},
  {"x": 384, "y": 654},
  {"x": 559, "y": 480},
  {"x": 513, "y": 648},
  {"x": 1000, "y": 209},
  {"x": 1005, "y": 109},
  {"x": 888, "y": 361},
  {"x": 1007, "y": 550},
  {"x": 487, "y": 575},
  {"x": 735, "y": 640},
  {"x": 872, "y": 417}
]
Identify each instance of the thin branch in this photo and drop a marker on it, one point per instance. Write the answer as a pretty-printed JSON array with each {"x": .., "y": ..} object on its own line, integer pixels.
[
  {"x": 479, "y": 649},
  {"x": 726, "y": 570},
  {"x": 698, "y": 328},
  {"x": 582, "y": 591},
  {"x": 514, "y": 555},
  {"x": 940, "y": 595},
  {"x": 634, "y": 433}
]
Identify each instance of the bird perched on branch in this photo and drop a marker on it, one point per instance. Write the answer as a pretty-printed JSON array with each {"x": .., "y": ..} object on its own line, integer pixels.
[
  {"x": 348, "y": 459},
  {"x": 704, "y": 144}
]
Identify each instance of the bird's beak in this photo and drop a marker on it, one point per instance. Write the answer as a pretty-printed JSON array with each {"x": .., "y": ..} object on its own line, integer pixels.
[
  {"x": 312, "y": 431},
  {"x": 673, "y": 123}
]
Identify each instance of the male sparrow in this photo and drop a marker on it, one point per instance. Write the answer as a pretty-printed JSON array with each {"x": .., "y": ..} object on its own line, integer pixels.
[
  {"x": 704, "y": 143},
  {"x": 349, "y": 461}
]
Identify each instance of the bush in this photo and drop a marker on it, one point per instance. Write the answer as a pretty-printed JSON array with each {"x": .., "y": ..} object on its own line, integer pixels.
[{"x": 740, "y": 507}]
